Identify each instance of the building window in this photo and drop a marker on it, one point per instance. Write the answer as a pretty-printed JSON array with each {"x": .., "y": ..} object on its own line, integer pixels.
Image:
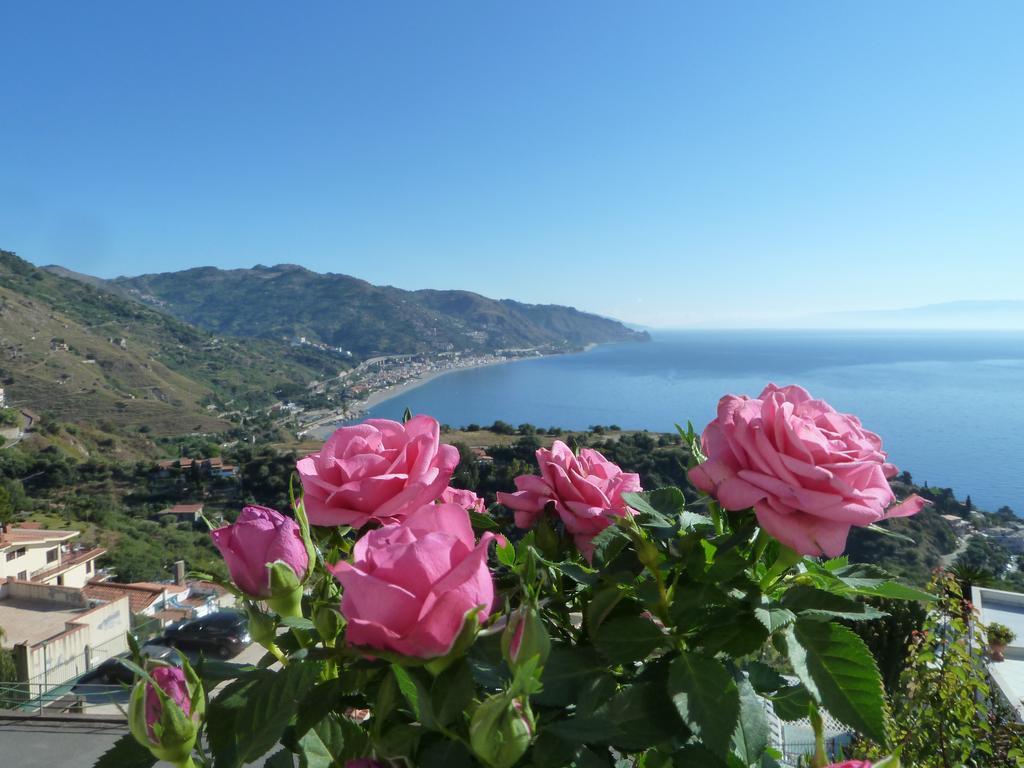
[
  {"x": 23, "y": 576},
  {"x": 60, "y": 580},
  {"x": 88, "y": 566},
  {"x": 16, "y": 554},
  {"x": 51, "y": 555}
]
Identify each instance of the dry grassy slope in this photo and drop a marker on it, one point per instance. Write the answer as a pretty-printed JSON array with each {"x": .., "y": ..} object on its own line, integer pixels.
[{"x": 127, "y": 387}]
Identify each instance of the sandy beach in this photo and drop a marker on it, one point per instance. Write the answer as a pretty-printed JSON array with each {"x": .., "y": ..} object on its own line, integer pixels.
[{"x": 324, "y": 429}]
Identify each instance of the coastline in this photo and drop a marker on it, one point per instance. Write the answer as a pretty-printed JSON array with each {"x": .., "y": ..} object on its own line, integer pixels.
[
  {"x": 381, "y": 396},
  {"x": 389, "y": 393}
]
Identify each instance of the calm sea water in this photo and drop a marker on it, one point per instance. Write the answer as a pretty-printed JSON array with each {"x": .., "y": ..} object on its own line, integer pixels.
[{"x": 949, "y": 407}]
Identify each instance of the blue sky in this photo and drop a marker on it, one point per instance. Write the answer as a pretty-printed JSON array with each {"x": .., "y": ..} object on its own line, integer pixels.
[{"x": 666, "y": 163}]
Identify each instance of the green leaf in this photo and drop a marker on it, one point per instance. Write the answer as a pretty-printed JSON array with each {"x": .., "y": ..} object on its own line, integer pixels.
[
  {"x": 445, "y": 753},
  {"x": 608, "y": 544},
  {"x": 691, "y": 603},
  {"x": 751, "y": 736},
  {"x": 399, "y": 741},
  {"x": 809, "y": 601},
  {"x": 586, "y": 730},
  {"x": 126, "y": 753},
  {"x": 280, "y": 759},
  {"x": 628, "y": 638},
  {"x": 451, "y": 692},
  {"x": 647, "y": 514},
  {"x": 595, "y": 693},
  {"x": 774, "y": 617},
  {"x": 415, "y": 694},
  {"x": 890, "y": 533},
  {"x": 250, "y": 715},
  {"x": 298, "y": 622},
  {"x": 567, "y": 670},
  {"x": 332, "y": 742},
  {"x": 896, "y": 591},
  {"x": 706, "y": 697},
  {"x": 588, "y": 758},
  {"x": 601, "y": 605},
  {"x": 839, "y": 672},
  {"x": 215, "y": 670},
  {"x": 585, "y": 576},
  {"x": 643, "y": 714},
  {"x": 320, "y": 702},
  {"x": 482, "y": 522},
  {"x": 791, "y": 703},
  {"x": 763, "y": 678},
  {"x": 735, "y": 632}
]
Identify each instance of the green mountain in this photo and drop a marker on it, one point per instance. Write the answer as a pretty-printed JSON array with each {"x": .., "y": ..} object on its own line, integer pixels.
[
  {"x": 78, "y": 353},
  {"x": 288, "y": 301}
]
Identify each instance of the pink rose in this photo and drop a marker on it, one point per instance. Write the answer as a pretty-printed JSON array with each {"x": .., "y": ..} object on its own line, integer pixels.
[
  {"x": 809, "y": 472},
  {"x": 378, "y": 471},
  {"x": 851, "y": 764},
  {"x": 260, "y": 537},
  {"x": 172, "y": 682},
  {"x": 586, "y": 491},
  {"x": 409, "y": 587},
  {"x": 465, "y": 499}
]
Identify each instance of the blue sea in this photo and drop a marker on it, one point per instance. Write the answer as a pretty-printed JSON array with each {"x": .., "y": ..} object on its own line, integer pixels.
[{"x": 949, "y": 406}]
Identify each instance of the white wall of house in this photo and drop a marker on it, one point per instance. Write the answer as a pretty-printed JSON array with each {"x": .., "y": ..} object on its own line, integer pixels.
[{"x": 21, "y": 560}]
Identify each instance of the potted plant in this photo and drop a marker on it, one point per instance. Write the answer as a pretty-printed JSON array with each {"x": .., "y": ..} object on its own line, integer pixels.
[{"x": 999, "y": 636}]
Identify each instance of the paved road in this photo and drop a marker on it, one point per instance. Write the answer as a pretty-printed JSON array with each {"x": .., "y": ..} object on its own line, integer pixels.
[
  {"x": 64, "y": 744},
  {"x": 73, "y": 743}
]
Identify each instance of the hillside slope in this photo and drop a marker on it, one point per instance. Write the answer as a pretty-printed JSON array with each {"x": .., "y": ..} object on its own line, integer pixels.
[
  {"x": 285, "y": 301},
  {"x": 76, "y": 353}
]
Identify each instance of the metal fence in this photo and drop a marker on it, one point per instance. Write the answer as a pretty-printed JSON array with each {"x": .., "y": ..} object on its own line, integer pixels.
[{"x": 71, "y": 697}]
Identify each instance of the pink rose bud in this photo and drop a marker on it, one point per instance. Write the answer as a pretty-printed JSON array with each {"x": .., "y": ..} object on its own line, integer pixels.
[
  {"x": 525, "y": 637},
  {"x": 256, "y": 541},
  {"x": 410, "y": 587},
  {"x": 165, "y": 717},
  {"x": 586, "y": 491},
  {"x": 809, "y": 472},
  {"x": 377, "y": 471},
  {"x": 465, "y": 499},
  {"x": 172, "y": 682}
]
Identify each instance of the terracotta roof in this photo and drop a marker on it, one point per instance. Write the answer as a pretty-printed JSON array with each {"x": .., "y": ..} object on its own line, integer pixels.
[
  {"x": 29, "y": 535},
  {"x": 140, "y": 594},
  {"x": 68, "y": 562},
  {"x": 209, "y": 586}
]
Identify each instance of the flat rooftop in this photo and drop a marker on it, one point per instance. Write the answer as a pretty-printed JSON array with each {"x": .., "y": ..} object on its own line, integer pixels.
[
  {"x": 996, "y": 605},
  {"x": 1002, "y": 612},
  {"x": 32, "y": 621}
]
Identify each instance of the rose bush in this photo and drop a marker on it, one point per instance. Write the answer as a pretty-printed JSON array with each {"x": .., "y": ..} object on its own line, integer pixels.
[
  {"x": 809, "y": 472},
  {"x": 609, "y": 626}
]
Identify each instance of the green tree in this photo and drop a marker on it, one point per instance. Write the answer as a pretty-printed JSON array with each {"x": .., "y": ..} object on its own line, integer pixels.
[{"x": 947, "y": 715}]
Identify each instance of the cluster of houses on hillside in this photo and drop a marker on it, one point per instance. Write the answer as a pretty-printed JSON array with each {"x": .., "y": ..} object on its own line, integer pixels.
[
  {"x": 212, "y": 467},
  {"x": 62, "y": 616}
]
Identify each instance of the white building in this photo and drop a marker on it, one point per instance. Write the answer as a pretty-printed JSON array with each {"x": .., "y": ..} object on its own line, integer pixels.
[
  {"x": 46, "y": 557},
  {"x": 1006, "y": 608},
  {"x": 56, "y": 633}
]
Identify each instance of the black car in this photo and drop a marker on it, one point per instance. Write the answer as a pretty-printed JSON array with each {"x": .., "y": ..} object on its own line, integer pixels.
[
  {"x": 224, "y": 633},
  {"x": 112, "y": 672}
]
